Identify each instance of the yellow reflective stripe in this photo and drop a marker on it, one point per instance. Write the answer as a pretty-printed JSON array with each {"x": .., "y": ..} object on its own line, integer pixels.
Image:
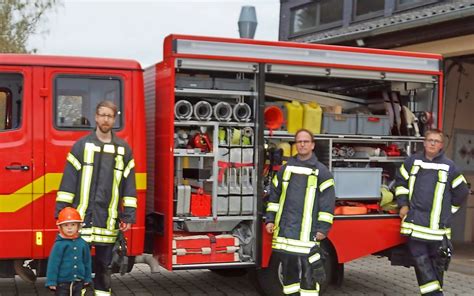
[
  {"x": 400, "y": 190},
  {"x": 294, "y": 242},
  {"x": 272, "y": 207},
  {"x": 290, "y": 289},
  {"x": 275, "y": 181},
  {"x": 301, "y": 170},
  {"x": 454, "y": 209},
  {"x": 326, "y": 217},
  {"x": 121, "y": 150},
  {"x": 430, "y": 287},
  {"x": 97, "y": 238},
  {"x": 456, "y": 182},
  {"x": 326, "y": 184},
  {"x": 63, "y": 196},
  {"x": 86, "y": 177},
  {"x": 431, "y": 165},
  {"x": 73, "y": 160},
  {"x": 130, "y": 166},
  {"x": 108, "y": 148},
  {"x": 290, "y": 248},
  {"x": 314, "y": 258},
  {"x": 404, "y": 172},
  {"x": 130, "y": 201},
  {"x": 99, "y": 230},
  {"x": 114, "y": 201},
  {"x": 412, "y": 179},
  {"x": 426, "y": 229},
  {"x": 101, "y": 293},
  {"x": 309, "y": 199},
  {"x": 310, "y": 292},
  {"x": 435, "y": 215},
  {"x": 284, "y": 185}
]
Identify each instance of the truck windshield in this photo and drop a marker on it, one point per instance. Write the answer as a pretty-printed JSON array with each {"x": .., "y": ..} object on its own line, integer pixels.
[{"x": 77, "y": 97}]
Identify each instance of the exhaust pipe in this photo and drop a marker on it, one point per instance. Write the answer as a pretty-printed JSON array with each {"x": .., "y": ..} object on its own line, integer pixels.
[
  {"x": 242, "y": 112},
  {"x": 183, "y": 110},
  {"x": 203, "y": 111},
  {"x": 223, "y": 111}
]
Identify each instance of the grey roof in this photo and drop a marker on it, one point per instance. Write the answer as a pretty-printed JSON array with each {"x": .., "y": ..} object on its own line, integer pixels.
[{"x": 433, "y": 14}]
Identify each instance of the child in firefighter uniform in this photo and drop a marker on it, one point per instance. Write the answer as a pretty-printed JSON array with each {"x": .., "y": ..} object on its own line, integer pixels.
[
  {"x": 69, "y": 263},
  {"x": 299, "y": 214},
  {"x": 429, "y": 190}
]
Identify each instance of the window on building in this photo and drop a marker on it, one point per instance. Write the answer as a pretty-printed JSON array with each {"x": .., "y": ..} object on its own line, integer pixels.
[
  {"x": 11, "y": 98},
  {"x": 408, "y": 4},
  {"x": 316, "y": 16},
  {"x": 77, "y": 97},
  {"x": 365, "y": 9}
]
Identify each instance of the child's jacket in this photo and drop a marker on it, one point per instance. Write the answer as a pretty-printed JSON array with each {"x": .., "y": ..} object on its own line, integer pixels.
[{"x": 69, "y": 260}]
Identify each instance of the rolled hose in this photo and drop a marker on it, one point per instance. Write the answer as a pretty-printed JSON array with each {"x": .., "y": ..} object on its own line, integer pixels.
[
  {"x": 203, "y": 110},
  {"x": 242, "y": 112},
  {"x": 223, "y": 111},
  {"x": 183, "y": 110}
]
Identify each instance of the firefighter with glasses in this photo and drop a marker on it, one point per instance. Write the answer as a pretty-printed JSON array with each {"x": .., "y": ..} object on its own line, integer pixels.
[
  {"x": 299, "y": 214},
  {"x": 99, "y": 181},
  {"x": 429, "y": 190}
]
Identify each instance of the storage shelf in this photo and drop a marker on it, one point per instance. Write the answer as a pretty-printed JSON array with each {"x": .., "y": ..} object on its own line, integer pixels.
[
  {"x": 212, "y": 92},
  {"x": 212, "y": 123},
  {"x": 185, "y": 153},
  {"x": 343, "y": 138},
  {"x": 372, "y": 159},
  {"x": 211, "y": 219}
]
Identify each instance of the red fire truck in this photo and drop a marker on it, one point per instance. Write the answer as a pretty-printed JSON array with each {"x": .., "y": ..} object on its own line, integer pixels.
[{"x": 196, "y": 123}]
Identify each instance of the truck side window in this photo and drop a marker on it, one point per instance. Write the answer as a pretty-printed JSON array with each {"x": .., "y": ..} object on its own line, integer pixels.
[
  {"x": 77, "y": 96},
  {"x": 11, "y": 98}
]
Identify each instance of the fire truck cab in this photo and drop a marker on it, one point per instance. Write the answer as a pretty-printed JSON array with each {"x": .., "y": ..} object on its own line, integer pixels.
[{"x": 46, "y": 104}]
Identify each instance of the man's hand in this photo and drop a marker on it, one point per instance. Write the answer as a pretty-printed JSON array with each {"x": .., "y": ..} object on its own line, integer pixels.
[
  {"x": 319, "y": 236},
  {"x": 269, "y": 227},
  {"x": 125, "y": 226},
  {"x": 403, "y": 211},
  {"x": 52, "y": 288}
]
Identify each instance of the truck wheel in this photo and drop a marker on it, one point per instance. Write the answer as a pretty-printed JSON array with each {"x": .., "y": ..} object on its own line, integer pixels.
[
  {"x": 230, "y": 272},
  {"x": 268, "y": 281}
]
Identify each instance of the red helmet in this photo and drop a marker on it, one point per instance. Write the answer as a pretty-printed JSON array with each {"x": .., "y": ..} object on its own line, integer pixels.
[{"x": 68, "y": 215}]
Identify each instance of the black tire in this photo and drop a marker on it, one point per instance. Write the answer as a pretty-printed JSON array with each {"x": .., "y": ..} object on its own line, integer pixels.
[
  {"x": 230, "y": 272},
  {"x": 267, "y": 280}
]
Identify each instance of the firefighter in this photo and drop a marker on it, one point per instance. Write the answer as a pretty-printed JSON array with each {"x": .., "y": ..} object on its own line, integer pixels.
[
  {"x": 429, "y": 190},
  {"x": 99, "y": 181},
  {"x": 299, "y": 214}
]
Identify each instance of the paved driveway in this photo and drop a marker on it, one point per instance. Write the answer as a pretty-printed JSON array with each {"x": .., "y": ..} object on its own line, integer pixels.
[{"x": 367, "y": 276}]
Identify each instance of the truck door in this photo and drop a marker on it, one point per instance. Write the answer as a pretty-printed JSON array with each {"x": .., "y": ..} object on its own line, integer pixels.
[
  {"x": 16, "y": 161},
  {"x": 73, "y": 94}
]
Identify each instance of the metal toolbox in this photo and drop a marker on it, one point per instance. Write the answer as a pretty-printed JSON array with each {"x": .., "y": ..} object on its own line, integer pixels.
[
  {"x": 373, "y": 125},
  {"x": 193, "y": 82},
  {"x": 339, "y": 123},
  {"x": 233, "y": 84},
  {"x": 357, "y": 183}
]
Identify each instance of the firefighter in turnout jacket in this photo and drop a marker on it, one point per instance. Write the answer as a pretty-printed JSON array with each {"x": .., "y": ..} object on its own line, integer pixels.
[
  {"x": 99, "y": 181},
  {"x": 429, "y": 190},
  {"x": 299, "y": 214}
]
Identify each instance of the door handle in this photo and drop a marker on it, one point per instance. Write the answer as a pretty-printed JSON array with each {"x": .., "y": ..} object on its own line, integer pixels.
[{"x": 17, "y": 167}]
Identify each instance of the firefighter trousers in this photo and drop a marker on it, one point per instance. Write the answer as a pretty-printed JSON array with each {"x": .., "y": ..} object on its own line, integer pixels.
[
  {"x": 103, "y": 273},
  {"x": 292, "y": 264},
  {"x": 426, "y": 260}
]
